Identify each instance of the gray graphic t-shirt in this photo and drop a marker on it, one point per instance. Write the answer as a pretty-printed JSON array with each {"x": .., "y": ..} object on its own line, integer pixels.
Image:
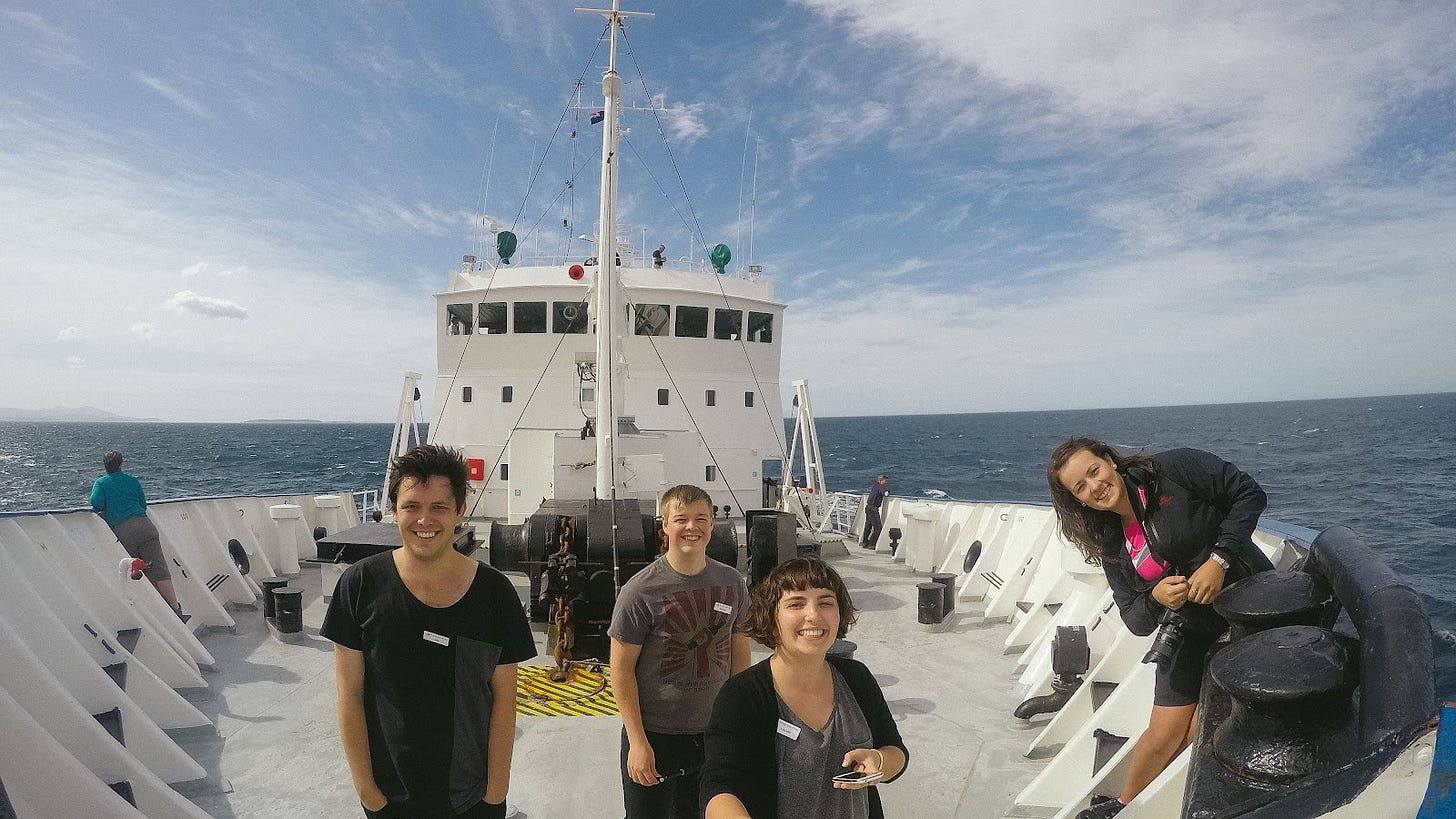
[{"x": 685, "y": 626}]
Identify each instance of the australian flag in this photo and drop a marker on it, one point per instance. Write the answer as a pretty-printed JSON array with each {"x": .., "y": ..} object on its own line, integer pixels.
[{"x": 597, "y": 117}]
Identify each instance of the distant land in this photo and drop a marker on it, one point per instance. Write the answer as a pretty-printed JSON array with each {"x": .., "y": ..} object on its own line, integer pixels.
[
  {"x": 79, "y": 414},
  {"x": 93, "y": 415}
]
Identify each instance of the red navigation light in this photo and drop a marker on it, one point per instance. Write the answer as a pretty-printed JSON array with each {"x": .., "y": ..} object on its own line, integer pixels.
[
  {"x": 475, "y": 468},
  {"x": 576, "y": 272}
]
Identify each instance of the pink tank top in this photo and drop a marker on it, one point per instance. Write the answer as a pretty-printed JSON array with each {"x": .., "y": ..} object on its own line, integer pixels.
[{"x": 1137, "y": 548}]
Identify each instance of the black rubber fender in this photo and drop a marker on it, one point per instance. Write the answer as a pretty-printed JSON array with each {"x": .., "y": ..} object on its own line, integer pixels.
[{"x": 239, "y": 556}]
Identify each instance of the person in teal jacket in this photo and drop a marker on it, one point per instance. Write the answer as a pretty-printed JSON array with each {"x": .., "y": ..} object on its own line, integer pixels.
[{"x": 118, "y": 498}]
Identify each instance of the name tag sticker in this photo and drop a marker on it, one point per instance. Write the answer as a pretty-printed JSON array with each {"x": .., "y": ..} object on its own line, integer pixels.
[
  {"x": 437, "y": 638},
  {"x": 723, "y": 607},
  {"x": 789, "y": 729}
]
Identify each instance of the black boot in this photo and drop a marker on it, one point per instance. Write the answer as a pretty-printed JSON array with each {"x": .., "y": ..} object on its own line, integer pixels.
[{"x": 1102, "y": 810}]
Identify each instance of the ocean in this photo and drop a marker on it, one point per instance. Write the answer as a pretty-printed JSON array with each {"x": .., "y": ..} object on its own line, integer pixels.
[{"x": 1383, "y": 466}]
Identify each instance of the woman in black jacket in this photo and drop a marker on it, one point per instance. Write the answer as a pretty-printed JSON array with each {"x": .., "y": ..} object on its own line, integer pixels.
[
  {"x": 1170, "y": 531},
  {"x": 782, "y": 730}
]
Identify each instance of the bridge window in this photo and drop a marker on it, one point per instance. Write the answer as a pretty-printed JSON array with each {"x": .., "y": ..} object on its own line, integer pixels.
[
  {"x": 507, "y": 394},
  {"x": 492, "y": 317},
  {"x": 530, "y": 316},
  {"x": 652, "y": 319},
  {"x": 505, "y": 472},
  {"x": 465, "y": 393},
  {"x": 727, "y": 324},
  {"x": 692, "y": 322},
  {"x": 710, "y": 474},
  {"x": 710, "y": 398},
  {"x": 662, "y": 397},
  {"x": 760, "y": 327},
  {"x": 748, "y": 399},
  {"x": 568, "y": 317},
  {"x": 458, "y": 320}
]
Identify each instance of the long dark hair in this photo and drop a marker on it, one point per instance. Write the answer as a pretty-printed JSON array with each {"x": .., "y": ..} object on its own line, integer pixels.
[{"x": 1092, "y": 531}]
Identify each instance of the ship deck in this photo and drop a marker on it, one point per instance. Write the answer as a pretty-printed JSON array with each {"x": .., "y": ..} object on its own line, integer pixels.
[{"x": 951, "y": 688}]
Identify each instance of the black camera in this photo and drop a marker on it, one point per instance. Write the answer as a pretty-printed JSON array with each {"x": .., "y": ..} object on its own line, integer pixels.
[{"x": 1167, "y": 639}]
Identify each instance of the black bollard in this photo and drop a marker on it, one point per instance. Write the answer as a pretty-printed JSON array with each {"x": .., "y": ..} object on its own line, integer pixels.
[
  {"x": 843, "y": 648},
  {"x": 1291, "y": 708},
  {"x": 1277, "y": 598},
  {"x": 948, "y": 580},
  {"x": 269, "y": 584},
  {"x": 932, "y": 603},
  {"x": 288, "y": 605}
]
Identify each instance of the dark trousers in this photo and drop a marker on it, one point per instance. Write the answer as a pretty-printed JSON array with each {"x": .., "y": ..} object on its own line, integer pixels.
[
  {"x": 872, "y": 528},
  {"x": 394, "y": 810},
  {"x": 680, "y": 759}
]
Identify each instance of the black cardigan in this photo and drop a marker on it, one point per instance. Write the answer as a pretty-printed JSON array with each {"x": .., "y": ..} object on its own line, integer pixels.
[
  {"x": 1197, "y": 502},
  {"x": 740, "y": 756}
]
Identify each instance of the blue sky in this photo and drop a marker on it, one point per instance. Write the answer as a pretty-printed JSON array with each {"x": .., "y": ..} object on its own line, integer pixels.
[{"x": 220, "y": 211}]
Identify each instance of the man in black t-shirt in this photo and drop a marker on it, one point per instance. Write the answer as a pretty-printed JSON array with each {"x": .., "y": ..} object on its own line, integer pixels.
[{"x": 426, "y": 646}]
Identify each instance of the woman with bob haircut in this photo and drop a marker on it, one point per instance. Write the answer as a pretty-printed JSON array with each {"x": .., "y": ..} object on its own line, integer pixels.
[
  {"x": 785, "y": 733},
  {"x": 1170, "y": 531}
]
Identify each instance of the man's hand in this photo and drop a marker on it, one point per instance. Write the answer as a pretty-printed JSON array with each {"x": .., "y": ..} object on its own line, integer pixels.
[{"x": 642, "y": 764}]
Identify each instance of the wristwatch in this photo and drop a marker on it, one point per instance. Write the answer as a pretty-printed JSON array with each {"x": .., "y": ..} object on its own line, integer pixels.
[{"x": 1219, "y": 559}]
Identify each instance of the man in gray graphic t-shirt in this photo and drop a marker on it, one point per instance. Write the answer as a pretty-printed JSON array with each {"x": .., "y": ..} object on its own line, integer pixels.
[{"x": 675, "y": 640}]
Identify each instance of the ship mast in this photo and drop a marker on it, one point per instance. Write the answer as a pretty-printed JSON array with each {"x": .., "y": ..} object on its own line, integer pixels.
[{"x": 608, "y": 305}]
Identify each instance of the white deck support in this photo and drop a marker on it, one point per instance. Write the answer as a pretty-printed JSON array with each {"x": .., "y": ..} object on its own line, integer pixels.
[
  {"x": 406, "y": 434},
  {"x": 809, "y": 503}
]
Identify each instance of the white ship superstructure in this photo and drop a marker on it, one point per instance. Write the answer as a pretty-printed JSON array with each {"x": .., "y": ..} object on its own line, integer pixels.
[{"x": 519, "y": 382}]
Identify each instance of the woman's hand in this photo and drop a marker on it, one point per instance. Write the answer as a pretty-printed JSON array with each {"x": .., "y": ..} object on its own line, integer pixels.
[
  {"x": 1205, "y": 583},
  {"x": 864, "y": 761},
  {"x": 1172, "y": 591}
]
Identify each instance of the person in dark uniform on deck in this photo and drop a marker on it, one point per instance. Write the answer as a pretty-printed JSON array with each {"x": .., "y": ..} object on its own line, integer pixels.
[
  {"x": 659, "y": 256},
  {"x": 1170, "y": 531},
  {"x": 873, "y": 522},
  {"x": 118, "y": 498}
]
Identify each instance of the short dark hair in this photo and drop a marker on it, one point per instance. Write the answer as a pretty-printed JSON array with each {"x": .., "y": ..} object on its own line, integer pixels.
[
  {"x": 112, "y": 461},
  {"x": 425, "y": 462},
  {"x": 797, "y": 574}
]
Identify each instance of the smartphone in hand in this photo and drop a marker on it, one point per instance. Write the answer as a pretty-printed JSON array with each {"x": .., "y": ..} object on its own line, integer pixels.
[{"x": 857, "y": 778}]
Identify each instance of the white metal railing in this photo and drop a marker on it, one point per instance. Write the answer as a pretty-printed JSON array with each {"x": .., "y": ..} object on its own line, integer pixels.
[
  {"x": 366, "y": 501},
  {"x": 843, "y": 509}
]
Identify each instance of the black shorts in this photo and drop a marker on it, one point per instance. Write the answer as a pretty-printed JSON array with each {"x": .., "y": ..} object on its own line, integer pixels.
[{"x": 1179, "y": 681}]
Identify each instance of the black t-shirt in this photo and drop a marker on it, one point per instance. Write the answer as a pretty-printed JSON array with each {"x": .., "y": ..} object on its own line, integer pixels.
[{"x": 427, "y": 678}]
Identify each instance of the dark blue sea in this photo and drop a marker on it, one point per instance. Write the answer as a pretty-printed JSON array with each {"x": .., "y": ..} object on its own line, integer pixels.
[{"x": 1385, "y": 467}]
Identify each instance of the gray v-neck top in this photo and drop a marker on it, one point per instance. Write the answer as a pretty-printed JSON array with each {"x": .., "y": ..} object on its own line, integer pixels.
[{"x": 808, "y": 763}]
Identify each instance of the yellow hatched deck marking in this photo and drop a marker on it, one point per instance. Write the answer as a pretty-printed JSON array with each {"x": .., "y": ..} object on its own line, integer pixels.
[{"x": 586, "y": 693}]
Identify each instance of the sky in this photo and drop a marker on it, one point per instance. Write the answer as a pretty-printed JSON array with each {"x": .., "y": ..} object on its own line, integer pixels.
[{"x": 223, "y": 211}]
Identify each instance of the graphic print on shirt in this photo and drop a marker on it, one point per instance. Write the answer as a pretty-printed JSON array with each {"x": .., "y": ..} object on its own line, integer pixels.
[{"x": 696, "y": 633}]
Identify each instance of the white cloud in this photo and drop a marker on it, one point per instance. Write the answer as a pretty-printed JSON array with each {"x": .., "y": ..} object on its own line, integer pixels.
[
  {"x": 193, "y": 269},
  {"x": 190, "y": 302},
  {"x": 76, "y": 362},
  {"x": 173, "y": 95},
  {"x": 72, "y": 333},
  {"x": 144, "y": 330}
]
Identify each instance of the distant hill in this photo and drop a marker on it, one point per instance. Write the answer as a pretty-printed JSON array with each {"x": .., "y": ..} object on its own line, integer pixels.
[{"x": 79, "y": 414}]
